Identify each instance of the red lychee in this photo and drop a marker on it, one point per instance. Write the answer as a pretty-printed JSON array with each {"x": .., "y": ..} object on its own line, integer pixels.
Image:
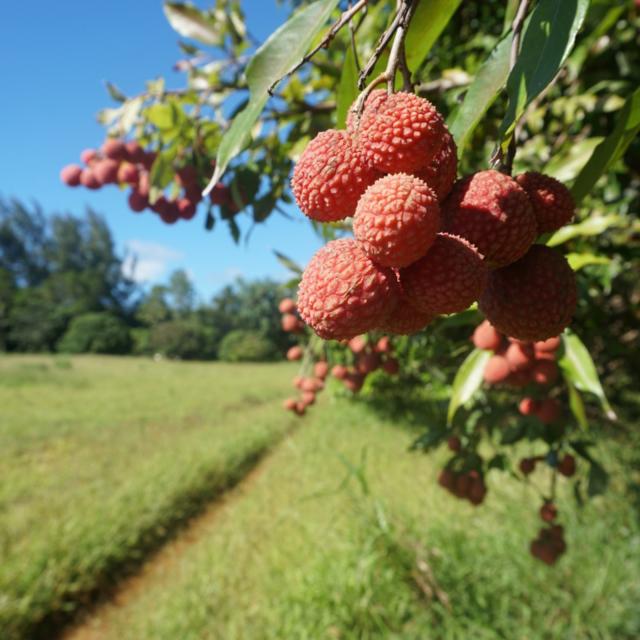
[
  {"x": 496, "y": 370},
  {"x": 400, "y": 132},
  {"x": 287, "y": 305},
  {"x": 548, "y": 512},
  {"x": 339, "y": 372},
  {"x": 128, "y": 173},
  {"x": 534, "y": 298},
  {"x": 552, "y": 202},
  {"x": 567, "y": 465},
  {"x": 106, "y": 171},
  {"x": 308, "y": 398},
  {"x": 290, "y": 323},
  {"x": 89, "y": 180},
  {"x": 446, "y": 479},
  {"x": 357, "y": 344},
  {"x": 290, "y": 404},
  {"x": 527, "y": 406},
  {"x": 494, "y": 213},
  {"x": 548, "y": 411},
  {"x": 294, "y": 353},
  {"x": 134, "y": 152},
  {"x": 343, "y": 293},
  {"x": 353, "y": 381},
  {"x": 391, "y": 366},
  {"x": 114, "y": 149},
  {"x": 137, "y": 202},
  {"x": 405, "y": 319},
  {"x": 486, "y": 337},
  {"x": 441, "y": 172},
  {"x": 70, "y": 175},
  {"x": 549, "y": 345},
  {"x": 527, "y": 465},
  {"x": 321, "y": 369},
  {"x": 187, "y": 208},
  {"x": 396, "y": 220},
  {"x": 330, "y": 177},
  {"x": 367, "y": 362},
  {"x": 544, "y": 372},
  {"x": 449, "y": 278},
  {"x": 519, "y": 356},
  {"x": 88, "y": 156},
  {"x": 454, "y": 444}
]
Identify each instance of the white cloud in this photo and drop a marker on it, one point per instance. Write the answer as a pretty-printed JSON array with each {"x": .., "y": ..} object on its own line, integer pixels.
[
  {"x": 228, "y": 275},
  {"x": 147, "y": 261}
]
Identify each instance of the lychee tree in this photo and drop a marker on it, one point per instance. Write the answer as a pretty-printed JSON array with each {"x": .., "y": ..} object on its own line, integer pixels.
[{"x": 461, "y": 160}]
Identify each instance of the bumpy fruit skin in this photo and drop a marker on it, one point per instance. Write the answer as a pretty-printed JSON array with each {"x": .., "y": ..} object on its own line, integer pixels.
[
  {"x": 400, "y": 132},
  {"x": 343, "y": 293},
  {"x": 449, "y": 278},
  {"x": 486, "y": 337},
  {"x": 547, "y": 346},
  {"x": 534, "y": 298},
  {"x": 70, "y": 175},
  {"x": 128, "y": 174},
  {"x": 397, "y": 219},
  {"x": 490, "y": 210},
  {"x": 440, "y": 174},
  {"x": 405, "y": 319},
  {"x": 114, "y": 149},
  {"x": 106, "y": 171},
  {"x": 553, "y": 204},
  {"x": 519, "y": 356},
  {"x": 330, "y": 177}
]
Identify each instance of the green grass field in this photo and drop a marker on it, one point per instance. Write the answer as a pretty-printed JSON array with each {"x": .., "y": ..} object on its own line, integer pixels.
[{"x": 341, "y": 534}]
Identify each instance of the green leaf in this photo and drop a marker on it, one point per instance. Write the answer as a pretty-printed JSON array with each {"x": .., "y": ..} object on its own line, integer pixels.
[
  {"x": 272, "y": 61},
  {"x": 578, "y": 367},
  {"x": 161, "y": 174},
  {"x": 547, "y": 40},
  {"x": 576, "y": 405},
  {"x": 162, "y": 116},
  {"x": 234, "y": 229},
  {"x": 481, "y": 94},
  {"x": 428, "y": 21},
  {"x": 347, "y": 88},
  {"x": 513, "y": 433},
  {"x": 593, "y": 226},
  {"x": 192, "y": 23},
  {"x": 565, "y": 167},
  {"x": 611, "y": 149},
  {"x": 115, "y": 93},
  {"x": 467, "y": 380},
  {"x": 288, "y": 263},
  {"x": 579, "y": 260}
]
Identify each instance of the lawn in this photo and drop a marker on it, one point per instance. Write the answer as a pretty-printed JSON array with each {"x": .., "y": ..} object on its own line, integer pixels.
[
  {"x": 341, "y": 533},
  {"x": 101, "y": 458}
]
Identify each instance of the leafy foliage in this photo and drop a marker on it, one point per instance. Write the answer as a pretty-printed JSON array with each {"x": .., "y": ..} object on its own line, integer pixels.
[{"x": 96, "y": 333}]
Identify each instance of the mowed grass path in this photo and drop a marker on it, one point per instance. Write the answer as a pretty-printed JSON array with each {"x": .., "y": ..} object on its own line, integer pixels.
[
  {"x": 101, "y": 458},
  {"x": 345, "y": 535}
]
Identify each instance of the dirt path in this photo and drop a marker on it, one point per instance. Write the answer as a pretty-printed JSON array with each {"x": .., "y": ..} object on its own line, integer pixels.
[{"x": 160, "y": 566}]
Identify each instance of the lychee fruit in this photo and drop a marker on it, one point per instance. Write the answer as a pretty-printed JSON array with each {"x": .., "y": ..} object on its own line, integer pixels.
[
  {"x": 486, "y": 337},
  {"x": 339, "y": 371},
  {"x": 187, "y": 208},
  {"x": 134, "y": 152},
  {"x": 391, "y": 366},
  {"x": 343, "y": 293},
  {"x": 114, "y": 149},
  {"x": 496, "y": 370},
  {"x": 440, "y": 174},
  {"x": 128, "y": 173},
  {"x": 367, "y": 362},
  {"x": 532, "y": 299},
  {"x": 308, "y": 398},
  {"x": 287, "y": 305},
  {"x": 527, "y": 406},
  {"x": 384, "y": 345},
  {"x": 89, "y": 180},
  {"x": 548, "y": 411},
  {"x": 357, "y": 344},
  {"x": 527, "y": 465},
  {"x": 353, "y": 381},
  {"x": 330, "y": 177},
  {"x": 548, "y": 512},
  {"x": 449, "y": 278},
  {"x": 544, "y": 372},
  {"x": 567, "y": 465},
  {"x": 519, "y": 356},
  {"x": 553, "y": 204},
  {"x": 70, "y": 175},
  {"x": 321, "y": 369},
  {"x": 137, "y": 202},
  {"x": 88, "y": 156},
  {"x": 290, "y": 323},
  {"x": 400, "y": 132},
  {"x": 405, "y": 319},
  {"x": 454, "y": 444},
  {"x": 290, "y": 404},
  {"x": 490, "y": 210},
  {"x": 294, "y": 353},
  {"x": 396, "y": 220},
  {"x": 106, "y": 171},
  {"x": 446, "y": 479},
  {"x": 546, "y": 346}
]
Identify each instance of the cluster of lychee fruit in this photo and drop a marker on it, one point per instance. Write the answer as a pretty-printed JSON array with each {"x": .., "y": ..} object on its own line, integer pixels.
[
  {"x": 126, "y": 163},
  {"x": 466, "y": 485},
  {"x": 368, "y": 356},
  {"x": 426, "y": 245}
]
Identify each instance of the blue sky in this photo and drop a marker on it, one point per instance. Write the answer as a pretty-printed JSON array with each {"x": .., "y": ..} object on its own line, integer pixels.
[{"x": 54, "y": 60}]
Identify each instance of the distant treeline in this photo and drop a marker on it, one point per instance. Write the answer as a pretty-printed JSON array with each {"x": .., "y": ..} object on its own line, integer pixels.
[{"x": 63, "y": 288}]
